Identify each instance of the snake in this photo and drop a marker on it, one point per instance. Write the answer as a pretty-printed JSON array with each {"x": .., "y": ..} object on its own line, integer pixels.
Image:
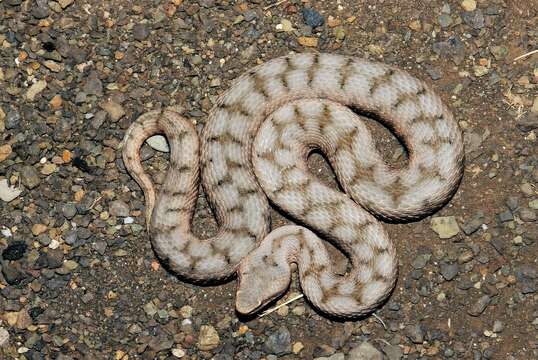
[{"x": 252, "y": 154}]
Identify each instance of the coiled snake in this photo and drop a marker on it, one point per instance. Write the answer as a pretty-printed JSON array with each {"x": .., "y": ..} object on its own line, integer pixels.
[{"x": 254, "y": 146}]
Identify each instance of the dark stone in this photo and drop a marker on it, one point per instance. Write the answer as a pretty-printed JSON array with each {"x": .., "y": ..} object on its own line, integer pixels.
[
  {"x": 312, "y": 18},
  {"x": 40, "y": 10},
  {"x": 527, "y": 271},
  {"x": 35, "y": 312},
  {"x": 100, "y": 247},
  {"x": 498, "y": 244},
  {"x": 445, "y": 20},
  {"x": 449, "y": 271},
  {"x": 41, "y": 262},
  {"x": 527, "y": 286},
  {"x": 71, "y": 237},
  {"x": 492, "y": 10},
  {"x": 69, "y": 210},
  {"x": 416, "y": 274},
  {"x": 49, "y": 46},
  {"x": 58, "y": 282},
  {"x": 474, "y": 19},
  {"x": 472, "y": 225},
  {"x": 279, "y": 342},
  {"x": 465, "y": 284},
  {"x": 14, "y": 251},
  {"x": 506, "y": 216},
  {"x": 453, "y": 48},
  {"x": 512, "y": 202},
  {"x": 81, "y": 164},
  {"x": 83, "y": 233},
  {"x": 55, "y": 258},
  {"x": 323, "y": 351},
  {"x": 527, "y": 215},
  {"x": 93, "y": 85},
  {"x": 250, "y": 15},
  {"x": 528, "y": 122},
  {"x": 415, "y": 333},
  {"x": 420, "y": 261},
  {"x": 13, "y": 119},
  {"x": 479, "y": 306},
  {"x": 13, "y": 273},
  {"x": 140, "y": 32},
  {"x": 434, "y": 73},
  {"x": 11, "y": 293}
]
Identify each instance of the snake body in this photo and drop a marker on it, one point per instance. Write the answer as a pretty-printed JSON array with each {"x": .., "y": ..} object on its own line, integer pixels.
[{"x": 254, "y": 147}]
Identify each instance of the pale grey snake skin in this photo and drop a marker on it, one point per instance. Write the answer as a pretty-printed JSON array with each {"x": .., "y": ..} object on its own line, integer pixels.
[{"x": 254, "y": 148}]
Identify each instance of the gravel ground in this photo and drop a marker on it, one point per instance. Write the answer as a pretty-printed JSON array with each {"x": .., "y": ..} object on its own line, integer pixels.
[{"x": 78, "y": 275}]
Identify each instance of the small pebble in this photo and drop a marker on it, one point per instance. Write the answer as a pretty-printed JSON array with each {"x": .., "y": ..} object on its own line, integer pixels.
[
  {"x": 150, "y": 309},
  {"x": 35, "y": 90},
  {"x": 4, "y": 337},
  {"x": 527, "y": 189},
  {"x": 119, "y": 208},
  {"x": 468, "y": 5},
  {"x": 473, "y": 224},
  {"x": 114, "y": 110},
  {"x": 365, "y": 351},
  {"x": 415, "y": 333},
  {"x": 178, "y": 353},
  {"x": 446, "y": 227},
  {"x": 479, "y": 306},
  {"x": 506, "y": 216},
  {"x": 312, "y": 18},
  {"x": 527, "y": 215},
  {"x": 40, "y": 9},
  {"x": 30, "y": 177},
  {"x": 69, "y": 210},
  {"x": 140, "y": 32},
  {"x": 445, "y": 20},
  {"x": 308, "y": 41},
  {"x": 14, "y": 251},
  {"x": 297, "y": 347},
  {"x": 7, "y": 192},
  {"x": 498, "y": 326},
  {"x": 278, "y": 342},
  {"x": 208, "y": 339},
  {"x": 38, "y": 229}
]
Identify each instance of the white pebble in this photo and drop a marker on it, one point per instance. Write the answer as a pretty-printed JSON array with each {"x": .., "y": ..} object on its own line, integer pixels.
[
  {"x": 54, "y": 244},
  {"x": 128, "y": 220},
  {"x": 179, "y": 353},
  {"x": 6, "y": 232},
  {"x": 4, "y": 336},
  {"x": 8, "y": 193},
  {"x": 158, "y": 142}
]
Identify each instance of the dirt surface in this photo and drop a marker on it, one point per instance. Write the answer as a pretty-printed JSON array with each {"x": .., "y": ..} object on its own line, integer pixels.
[{"x": 79, "y": 278}]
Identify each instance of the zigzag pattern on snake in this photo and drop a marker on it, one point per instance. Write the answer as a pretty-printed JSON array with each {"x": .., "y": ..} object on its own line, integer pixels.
[{"x": 254, "y": 148}]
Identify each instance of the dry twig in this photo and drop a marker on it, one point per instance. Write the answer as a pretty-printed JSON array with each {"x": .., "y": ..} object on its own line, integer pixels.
[
  {"x": 267, "y": 312},
  {"x": 280, "y": 2},
  {"x": 526, "y": 54}
]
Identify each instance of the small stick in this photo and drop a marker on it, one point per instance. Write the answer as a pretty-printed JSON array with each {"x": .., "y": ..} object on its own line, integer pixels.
[
  {"x": 526, "y": 54},
  {"x": 380, "y": 320},
  {"x": 267, "y": 312},
  {"x": 95, "y": 202},
  {"x": 383, "y": 341},
  {"x": 280, "y": 2}
]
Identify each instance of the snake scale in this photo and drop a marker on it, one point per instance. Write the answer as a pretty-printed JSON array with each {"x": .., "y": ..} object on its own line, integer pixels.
[{"x": 253, "y": 148}]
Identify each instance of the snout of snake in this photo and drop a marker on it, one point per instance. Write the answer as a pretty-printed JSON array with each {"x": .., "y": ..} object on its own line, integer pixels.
[{"x": 253, "y": 149}]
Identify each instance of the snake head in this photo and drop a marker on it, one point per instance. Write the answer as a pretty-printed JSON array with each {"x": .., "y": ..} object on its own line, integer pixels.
[{"x": 260, "y": 281}]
